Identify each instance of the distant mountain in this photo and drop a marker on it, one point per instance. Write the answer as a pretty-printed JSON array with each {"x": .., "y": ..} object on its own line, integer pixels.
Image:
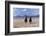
[{"x": 24, "y": 16}]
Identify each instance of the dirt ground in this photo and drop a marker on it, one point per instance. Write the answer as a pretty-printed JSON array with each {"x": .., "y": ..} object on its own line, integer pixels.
[{"x": 19, "y": 23}]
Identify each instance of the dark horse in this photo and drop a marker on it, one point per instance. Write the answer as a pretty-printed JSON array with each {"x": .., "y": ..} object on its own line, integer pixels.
[{"x": 30, "y": 20}]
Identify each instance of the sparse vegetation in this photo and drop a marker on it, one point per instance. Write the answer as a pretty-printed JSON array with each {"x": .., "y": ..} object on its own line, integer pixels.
[{"x": 20, "y": 22}]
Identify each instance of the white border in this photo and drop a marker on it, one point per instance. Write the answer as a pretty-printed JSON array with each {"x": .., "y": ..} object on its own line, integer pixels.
[{"x": 29, "y": 28}]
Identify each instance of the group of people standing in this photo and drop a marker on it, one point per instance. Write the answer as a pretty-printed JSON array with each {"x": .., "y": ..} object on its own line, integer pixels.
[{"x": 30, "y": 20}]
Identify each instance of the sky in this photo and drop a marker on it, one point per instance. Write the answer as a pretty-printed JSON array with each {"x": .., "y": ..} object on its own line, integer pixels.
[{"x": 25, "y": 11}]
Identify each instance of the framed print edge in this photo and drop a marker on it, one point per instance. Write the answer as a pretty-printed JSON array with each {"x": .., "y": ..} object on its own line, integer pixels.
[{"x": 7, "y": 18}]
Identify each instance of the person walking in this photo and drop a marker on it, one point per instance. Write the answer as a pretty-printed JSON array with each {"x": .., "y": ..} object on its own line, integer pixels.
[
  {"x": 25, "y": 19},
  {"x": 30, "y": 20}
]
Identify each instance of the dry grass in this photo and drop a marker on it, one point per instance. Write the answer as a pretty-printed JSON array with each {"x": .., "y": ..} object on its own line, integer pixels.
[{"x": 20, "y": 23}]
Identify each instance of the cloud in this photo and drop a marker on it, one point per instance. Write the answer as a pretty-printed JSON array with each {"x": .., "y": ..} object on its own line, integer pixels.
[{"x": 25, "y": 11}]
